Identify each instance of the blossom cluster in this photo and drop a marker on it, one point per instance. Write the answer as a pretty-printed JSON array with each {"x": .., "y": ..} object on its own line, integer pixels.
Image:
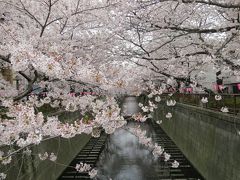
[
  {"x": 27, "y": 127},
  {"x": 108, "y": 115},
  {"x": 83, "y": 167},
  {"x": 156, "y": 149},
  {"x": 151, "y": 105},
  {"x": 217, "y": 97},
  {"x": 44, "y": 156}
]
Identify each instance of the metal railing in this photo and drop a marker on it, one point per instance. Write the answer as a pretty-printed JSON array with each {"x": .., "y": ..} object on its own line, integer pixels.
[{"x": 231, "y": 101}]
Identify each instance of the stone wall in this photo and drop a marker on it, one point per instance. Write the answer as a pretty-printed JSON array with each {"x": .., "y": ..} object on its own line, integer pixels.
[{"x": 209, "y": 139}]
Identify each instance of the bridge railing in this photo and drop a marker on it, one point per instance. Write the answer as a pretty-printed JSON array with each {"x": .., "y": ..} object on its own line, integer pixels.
[{"x": 231, "y": 101}]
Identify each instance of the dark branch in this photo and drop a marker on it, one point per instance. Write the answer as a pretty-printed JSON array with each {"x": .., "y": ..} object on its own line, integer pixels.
[
  {"x": 198, "y": 30},
  {"x": 227, "y": 5},
  {"x": 47, "y": 18},
  {"x": 25, "y": 76},
  {"x": 214, "y": 3},
  {"x": 5, "y": 58},
  {"x": 29, "y": 88}
]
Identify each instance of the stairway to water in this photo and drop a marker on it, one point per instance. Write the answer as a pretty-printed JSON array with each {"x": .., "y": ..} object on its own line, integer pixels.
[
  {"x": 89, "y": 154},
  {"x": 164, "y": 170}
]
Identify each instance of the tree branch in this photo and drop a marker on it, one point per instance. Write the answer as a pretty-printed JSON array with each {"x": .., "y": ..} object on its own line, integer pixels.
[
  {"x": 47, "y": 18},
  {"x": 227, "y": 5},
  {"x": 29, "y": 88},
  {"x": 5, "y": 58},
  {"x": 25, "y": 76},
  {"x": 30, "y": 14},
  {"x": 198, "y": 30},
  {"x": 214, "y": 3}
]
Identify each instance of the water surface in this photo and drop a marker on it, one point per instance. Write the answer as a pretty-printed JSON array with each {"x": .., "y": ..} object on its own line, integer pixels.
[{"x": 125, "y": 159}]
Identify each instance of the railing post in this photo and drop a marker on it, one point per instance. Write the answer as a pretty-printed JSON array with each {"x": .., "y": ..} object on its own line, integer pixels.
[{"x": 235, "y": 104}]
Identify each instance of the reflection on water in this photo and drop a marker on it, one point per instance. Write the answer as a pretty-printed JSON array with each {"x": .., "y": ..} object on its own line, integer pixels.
[
  {"x": 124, "y": 158},
  {"x": 130, "y": 106}
]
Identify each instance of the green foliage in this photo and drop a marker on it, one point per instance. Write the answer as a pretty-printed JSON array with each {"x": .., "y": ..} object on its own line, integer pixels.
[
  {"x": 46, "y": 109},
  {"x": 87, "y": 117},
  {"x": 3, "y": 113},
  {"x": 69, "y": 117}
]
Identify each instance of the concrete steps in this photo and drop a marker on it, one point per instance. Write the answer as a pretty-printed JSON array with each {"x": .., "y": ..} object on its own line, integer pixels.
[
  {"x": 89, "y": 154},
  {"x": 185, "y": 171}
]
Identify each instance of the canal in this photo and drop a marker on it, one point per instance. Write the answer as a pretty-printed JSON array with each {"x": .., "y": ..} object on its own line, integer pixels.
[
  {"x": 125, "y": 158},
  {"x": 122, "y": 157}
]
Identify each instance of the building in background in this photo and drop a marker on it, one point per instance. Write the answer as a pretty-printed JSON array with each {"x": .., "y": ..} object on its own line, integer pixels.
[{"x": 232, "y": 85}]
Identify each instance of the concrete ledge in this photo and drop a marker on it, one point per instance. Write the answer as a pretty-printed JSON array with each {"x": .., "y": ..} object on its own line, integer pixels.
[
  {"x": 222, "y": 120},
  {"x": 212, "y": 113}
]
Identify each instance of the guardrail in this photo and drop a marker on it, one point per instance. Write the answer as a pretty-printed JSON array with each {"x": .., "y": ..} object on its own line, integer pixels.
[{"x": 231, "y": 101}]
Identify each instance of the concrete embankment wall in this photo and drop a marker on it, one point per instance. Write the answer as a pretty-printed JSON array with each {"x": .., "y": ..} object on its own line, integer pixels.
[
  {"x": 209, "y": 139},
  {"x": 32, "y": 168},
  {"x": 25, "y": 167}
]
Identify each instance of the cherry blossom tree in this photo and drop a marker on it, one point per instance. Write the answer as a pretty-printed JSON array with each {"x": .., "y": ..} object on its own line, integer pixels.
[
  {"x": 55, "y": 44},
  {"x": 180, "y": 39},
  {"x": 109, "y": 46}
]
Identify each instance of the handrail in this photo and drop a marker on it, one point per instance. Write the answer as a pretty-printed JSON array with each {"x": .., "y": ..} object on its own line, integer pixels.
[{"x": 231, "y": 101}]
